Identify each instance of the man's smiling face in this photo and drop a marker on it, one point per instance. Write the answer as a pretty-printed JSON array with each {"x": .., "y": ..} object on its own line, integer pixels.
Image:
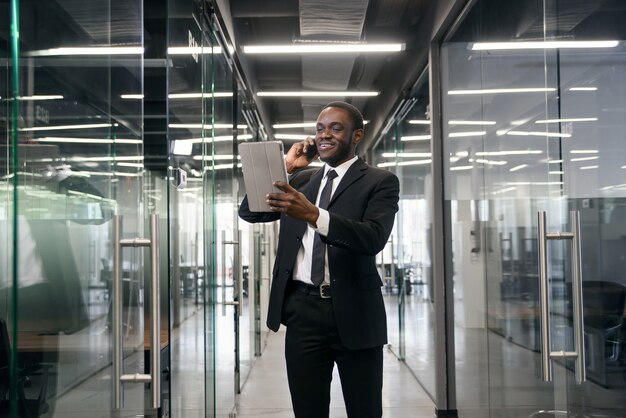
[{"x": 335, "y": 137}]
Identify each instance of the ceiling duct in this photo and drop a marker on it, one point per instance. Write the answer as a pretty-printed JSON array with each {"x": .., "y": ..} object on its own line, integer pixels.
[
  {"x": 330, "y": 17},
  {"x": 328, "y": 20}
]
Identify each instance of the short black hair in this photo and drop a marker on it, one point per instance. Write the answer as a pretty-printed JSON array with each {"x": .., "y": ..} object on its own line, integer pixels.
[{"x": 355, "y": 114}]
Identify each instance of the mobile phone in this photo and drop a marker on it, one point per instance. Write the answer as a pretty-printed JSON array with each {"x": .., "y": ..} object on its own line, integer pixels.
[{"x": 311, "y": 152}]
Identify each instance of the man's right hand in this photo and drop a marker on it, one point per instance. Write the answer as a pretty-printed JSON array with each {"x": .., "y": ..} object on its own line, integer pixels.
[{"x": 297, "y": 155}]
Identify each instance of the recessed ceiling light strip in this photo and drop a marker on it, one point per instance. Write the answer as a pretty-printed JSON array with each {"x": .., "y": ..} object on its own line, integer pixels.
[{"x": 322, "y": 48}]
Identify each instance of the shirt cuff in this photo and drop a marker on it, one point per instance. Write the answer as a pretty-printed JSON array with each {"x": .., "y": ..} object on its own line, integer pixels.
[{"x": 323, "y": 222}]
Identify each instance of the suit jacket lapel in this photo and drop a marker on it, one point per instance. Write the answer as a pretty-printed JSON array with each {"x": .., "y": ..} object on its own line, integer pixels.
[{"x": 355, "y": 172}]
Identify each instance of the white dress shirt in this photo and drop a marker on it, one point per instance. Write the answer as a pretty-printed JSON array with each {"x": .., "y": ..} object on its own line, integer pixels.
[{"x": 302, "y": 269}]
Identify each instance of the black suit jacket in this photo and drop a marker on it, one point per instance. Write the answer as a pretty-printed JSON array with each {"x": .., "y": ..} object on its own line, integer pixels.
[{"x": 362, "y": 211}]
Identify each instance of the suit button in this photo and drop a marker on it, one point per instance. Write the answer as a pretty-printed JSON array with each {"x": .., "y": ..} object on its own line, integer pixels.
[{"x": 298, "y": 238}]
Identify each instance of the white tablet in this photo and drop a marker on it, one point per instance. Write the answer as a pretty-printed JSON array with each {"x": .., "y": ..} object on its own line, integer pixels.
[{"x": 262, "y": 163}]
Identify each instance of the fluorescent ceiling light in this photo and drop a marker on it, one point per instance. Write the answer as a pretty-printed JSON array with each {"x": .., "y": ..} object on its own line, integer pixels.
[
  {"x": 535, "y": 183},
  {"x": 484, "y": 46},
  {"x": 132, "y": 96},
  {"x": 126, "y": 174},
  {"x": 555, "y": 161},
  {"x": 63, "y": 127},
  {"x": 204, "y": 126},
  {"x": 584, "y": 151},
  {"x": 507, "y": 189},
  {"x": 584, "y": 159},
  {"x": 193, "y": 50},
  {"x": 588, "y": 167},
  {"x": 214, "y": 157},
  {"x": 520, "y": 152},
  {"x": 583, "y": 89},
  {"x": 87, "y": 195},
  {"x": 199, "y": 95},
  {"x": 297, "y": 137},
  {"x": 321, "y": 48},
  {"x": 41, "y": 97},
  {"x": 419, "y": 122},
  {"x": 567, "y": 120},
  {"x": 415, "y": 138},
  {"x": 183, "y": 147},
  {"x": 95, "y": 50},
  {"x": 87, "y": 140},
  {"x": 472, "y": 122},
  {"x": 404, "y": 163},
  {"x": 533, "y": 133},
  {"x": 498, "y": 91},
  {"x": 136, "y": 165},
  {"x": 406, "y": 154},
  {"x": 518, "y": 167},
  {"x": 111, "y": 159},
  {"x": 294, "y": 125},
  {"x": 489, "y": 162},
  {"x": 462, "y": 154},
  {"x": 464, "y": 134},
  {"x": 317, "y": 93},
  {"x": 555, "y": 172},
  {"x": 461, "y": 167},
  {"x": 613, "y": 187},
  {"x": 219, "y": 138}
]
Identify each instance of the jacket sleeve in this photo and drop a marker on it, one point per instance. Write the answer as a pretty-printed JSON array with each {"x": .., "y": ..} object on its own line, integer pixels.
[{"x": 254, "y": 217}]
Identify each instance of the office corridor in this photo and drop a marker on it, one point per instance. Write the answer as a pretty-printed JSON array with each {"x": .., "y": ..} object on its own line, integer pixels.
[{"x": 265, "y": 392}]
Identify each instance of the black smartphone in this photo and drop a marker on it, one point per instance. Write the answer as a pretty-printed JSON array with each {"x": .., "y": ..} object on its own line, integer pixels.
[{"x": 311, "y": 152}]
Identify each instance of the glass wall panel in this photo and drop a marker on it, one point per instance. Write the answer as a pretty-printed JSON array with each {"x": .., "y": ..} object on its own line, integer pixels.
[
  {"x": 527, "y": 125},
  {"x": 189, "y": 130},
  {"x": 232, "y": 321},
  {"x": 80, "y": 159},
  {"x": 6, "y": 200},
  {"x": 406, "y": 261}
]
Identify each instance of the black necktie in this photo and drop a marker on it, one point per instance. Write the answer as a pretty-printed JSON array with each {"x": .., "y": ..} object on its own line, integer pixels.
[{"x": 319, "y": 248}]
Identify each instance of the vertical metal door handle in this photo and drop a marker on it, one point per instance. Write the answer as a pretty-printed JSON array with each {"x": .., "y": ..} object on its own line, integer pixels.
[
  {"x": 239, "y": 270},
  {"x": 577, "y": 294},
  {"x": 117, "y": 312},
  {"x": 577, "y": 312},
  {"x": 223, "y": 273},
  {"x": 546, "y": 364},
  {"x": 237, "y": 276},
  {"x": 155, "y": 307},
  {"x": 155, "y": 332}
]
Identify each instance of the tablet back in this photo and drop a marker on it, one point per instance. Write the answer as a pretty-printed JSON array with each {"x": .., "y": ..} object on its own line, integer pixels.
[{"x": 263, "y": 163}]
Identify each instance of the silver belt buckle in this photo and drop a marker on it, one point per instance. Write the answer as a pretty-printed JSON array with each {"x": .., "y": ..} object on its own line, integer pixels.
[{"x": 323, "y": 287}]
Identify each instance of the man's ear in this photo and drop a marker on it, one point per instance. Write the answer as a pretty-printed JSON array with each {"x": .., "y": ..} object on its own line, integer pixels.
[{"x": 357, "y": 136}]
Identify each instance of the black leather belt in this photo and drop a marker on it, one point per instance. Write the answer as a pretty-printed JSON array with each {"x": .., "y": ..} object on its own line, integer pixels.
[{"x": 322, "y": 291}]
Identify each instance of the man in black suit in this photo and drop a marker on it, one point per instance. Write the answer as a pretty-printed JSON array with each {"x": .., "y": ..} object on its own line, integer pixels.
[{"x": 342, "y": 319}]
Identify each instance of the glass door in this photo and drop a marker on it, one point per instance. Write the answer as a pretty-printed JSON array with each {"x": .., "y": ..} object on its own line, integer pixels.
[
  {"x": 189, "y": 104},
  {"x": 534, "y": 177},
  {"x": 233, "y": 320},
  {"x": 411, "y": 315},
  {"x": 85, "y": 300},
  {"x": 586, "y": 112}
]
